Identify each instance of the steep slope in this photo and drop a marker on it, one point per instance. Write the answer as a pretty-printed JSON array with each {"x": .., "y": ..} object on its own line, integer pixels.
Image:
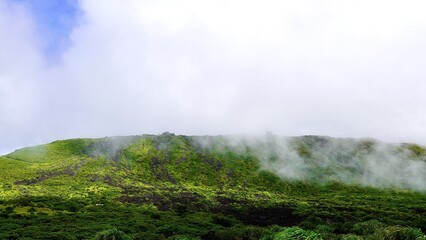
[{"x": 307, "y": 181}]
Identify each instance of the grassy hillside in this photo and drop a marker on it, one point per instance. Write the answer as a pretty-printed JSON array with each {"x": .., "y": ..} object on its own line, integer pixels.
[{"x": 233, "y": 187}]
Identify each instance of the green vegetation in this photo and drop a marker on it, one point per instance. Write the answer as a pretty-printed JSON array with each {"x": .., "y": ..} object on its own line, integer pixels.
[{"x": 179, "y": 187}]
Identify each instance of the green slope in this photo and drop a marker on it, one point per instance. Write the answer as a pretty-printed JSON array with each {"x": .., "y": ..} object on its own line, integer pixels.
[{"x": 224, "y": 187}]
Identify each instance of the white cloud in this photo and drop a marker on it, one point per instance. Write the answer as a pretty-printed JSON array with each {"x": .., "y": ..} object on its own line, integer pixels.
[
  {"x": 339, "y": 68},
  {"x": 20, "y": 76}
]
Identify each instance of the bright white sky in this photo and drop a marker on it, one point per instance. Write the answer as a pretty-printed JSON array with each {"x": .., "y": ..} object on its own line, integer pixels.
[{"x": 94, "y": 68}]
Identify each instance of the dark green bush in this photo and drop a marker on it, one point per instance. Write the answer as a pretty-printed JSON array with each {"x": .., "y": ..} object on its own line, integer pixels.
[
  {"x": 296, "y": 233},
  {"x": 397, "y": 233},
  {"x": 367, "y": 227},
  {"x": 229, "y": 234},
  {"x": 225, "y": 221},
  {"x": 352, "y": 237},
  {"x": 112, "y": 234},
  {"x": 253, "y": 233}
]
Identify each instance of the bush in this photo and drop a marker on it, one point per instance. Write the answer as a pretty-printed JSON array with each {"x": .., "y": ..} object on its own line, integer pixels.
[
  {"x": 225, "y": 221},
  {"x": 325, "y": 229},
  {"x": 352, "y": 237},
  {"x": 296, "y": 233},
  {"x": 112, "y": 234},
  {"x": 228, "y": 234},
  {"x": 367, "y": 227},
  {"x": 252, "y": 233},
  {"x": 398, "y": 233}
]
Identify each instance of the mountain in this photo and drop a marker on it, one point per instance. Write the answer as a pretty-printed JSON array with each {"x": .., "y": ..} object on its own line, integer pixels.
[{"x": 214, "y": 187}]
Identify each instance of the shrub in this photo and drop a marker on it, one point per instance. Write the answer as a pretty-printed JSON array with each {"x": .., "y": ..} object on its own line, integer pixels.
[
  {"x": 352, "y": 237},
  {"x": 367, "y": 227},
  {"x": 228, "y": 234},
  {"x": 225, "y": 221},
  {"x": 296, "y": 233},
  {"x": 252, "y": 233},
  {"x": 325, "y": 229},
  {"x": 398, "y": 233},
  {"x": 270, "y": 233},
  {"x": 13, "y": 236},
  {"x": 112, "y": 234}
]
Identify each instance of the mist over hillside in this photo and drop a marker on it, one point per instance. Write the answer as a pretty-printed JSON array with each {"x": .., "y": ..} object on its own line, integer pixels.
[
  {"x": 323, "y": 159},
  {"x": 319, "y": 159}
]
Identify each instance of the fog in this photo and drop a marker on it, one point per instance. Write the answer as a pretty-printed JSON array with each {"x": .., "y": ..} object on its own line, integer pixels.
[
  {"x": 364, "y": 162},
  {"x": 336, "y": 68}
]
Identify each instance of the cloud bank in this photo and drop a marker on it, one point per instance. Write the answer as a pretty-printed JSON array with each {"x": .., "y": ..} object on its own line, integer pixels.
[
  {"x": 339, "y": 68},
  {"x": 364, "y": 162}
]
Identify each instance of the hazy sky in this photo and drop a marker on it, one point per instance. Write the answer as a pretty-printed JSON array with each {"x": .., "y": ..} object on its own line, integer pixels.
[{"x": 94, "y": 68}]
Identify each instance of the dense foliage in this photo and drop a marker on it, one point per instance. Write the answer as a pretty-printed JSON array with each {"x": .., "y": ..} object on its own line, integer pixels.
[{"x": 179, "y": 187}]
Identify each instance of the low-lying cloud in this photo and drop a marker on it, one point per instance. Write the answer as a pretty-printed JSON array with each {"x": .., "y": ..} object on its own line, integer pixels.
[
  {"x": 319, "y": 159},
  {"x": 340, "y": 68}
]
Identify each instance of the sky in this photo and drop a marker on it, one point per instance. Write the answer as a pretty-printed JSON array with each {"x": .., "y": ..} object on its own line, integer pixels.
[{"x": 95, "y": 68}]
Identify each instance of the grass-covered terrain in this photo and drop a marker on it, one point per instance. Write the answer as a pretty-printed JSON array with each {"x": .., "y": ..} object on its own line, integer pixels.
[{"x": 179, "y": 187}]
